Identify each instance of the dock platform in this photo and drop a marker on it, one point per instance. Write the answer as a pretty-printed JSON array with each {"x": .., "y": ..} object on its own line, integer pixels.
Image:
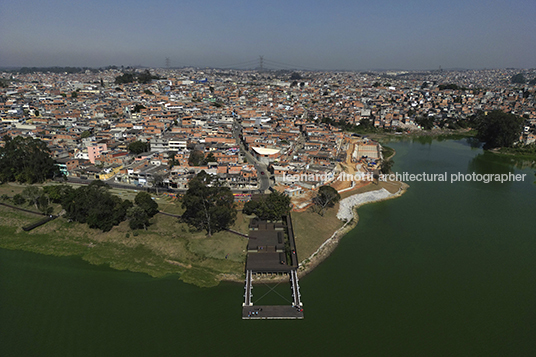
[{"x": 272, "y": 312}]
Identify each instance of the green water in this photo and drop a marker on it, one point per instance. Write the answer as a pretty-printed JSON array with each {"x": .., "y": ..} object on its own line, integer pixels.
[{"x": 445, "y": 270}]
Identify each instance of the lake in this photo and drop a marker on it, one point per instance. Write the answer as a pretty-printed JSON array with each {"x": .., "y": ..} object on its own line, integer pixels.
[{"x": 446, "y": 269}]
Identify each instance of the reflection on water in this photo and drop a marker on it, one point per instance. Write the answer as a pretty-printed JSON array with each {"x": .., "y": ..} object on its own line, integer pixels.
[
  {"x": 488, "y": 163},
  {"x": 474, "y": 142}
]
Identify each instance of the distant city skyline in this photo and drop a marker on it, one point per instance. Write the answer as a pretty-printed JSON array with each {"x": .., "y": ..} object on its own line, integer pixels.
[{"x": 314, "y": 35}]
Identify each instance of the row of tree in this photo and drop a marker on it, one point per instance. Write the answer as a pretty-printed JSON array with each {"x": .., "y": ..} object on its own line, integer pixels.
[
  {"x": 92, "y": 204},
  {"x": 26, "y": 70},
  {"x": 494, "y": 129},
  {"x": 269, "y": 207},
  {"x": 96, "y": 206},
  {"x": 33, "y": 196},
  {"x": 209, "y": 205},
  {"x": 129, "y": 77}
]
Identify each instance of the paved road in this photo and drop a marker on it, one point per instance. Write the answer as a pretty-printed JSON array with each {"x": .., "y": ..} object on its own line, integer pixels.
[
  {"x": 114, "y": 184},
  {"x": 264, "y": 180}
]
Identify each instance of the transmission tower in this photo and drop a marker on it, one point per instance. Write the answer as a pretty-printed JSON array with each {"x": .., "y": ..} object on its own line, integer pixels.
[
  {"x": 261, "y": 63},
  {"x": 167, "y": 62}
]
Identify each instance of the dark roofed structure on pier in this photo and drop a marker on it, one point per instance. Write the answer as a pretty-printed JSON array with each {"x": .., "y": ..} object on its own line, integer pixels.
[
  {"x": 272, "y": 250},
  {"x": 266, "y": 247}
]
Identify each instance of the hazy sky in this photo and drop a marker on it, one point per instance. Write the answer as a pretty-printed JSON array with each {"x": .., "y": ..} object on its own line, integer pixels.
[{"x": 310, "y": 34}]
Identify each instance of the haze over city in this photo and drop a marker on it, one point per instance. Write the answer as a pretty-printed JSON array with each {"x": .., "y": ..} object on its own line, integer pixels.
[{"x": 317, "y": 35}]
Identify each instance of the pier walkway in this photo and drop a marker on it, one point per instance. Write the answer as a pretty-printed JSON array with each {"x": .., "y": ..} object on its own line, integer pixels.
[
  {"x": 295, "y": 289},
  {"x": 249, "y": 286}
]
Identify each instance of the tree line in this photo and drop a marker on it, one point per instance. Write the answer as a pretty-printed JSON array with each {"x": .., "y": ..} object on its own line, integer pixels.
[
  {"x": 27, "y": 70},
  {"x": 129, "y": 77},
  {"x": 93, "y": 204}
]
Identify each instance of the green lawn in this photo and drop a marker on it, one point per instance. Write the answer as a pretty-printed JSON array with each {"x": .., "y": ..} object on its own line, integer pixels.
[
  {"x": 167, "y": 247},
  {"x": 311, "y": 229}
]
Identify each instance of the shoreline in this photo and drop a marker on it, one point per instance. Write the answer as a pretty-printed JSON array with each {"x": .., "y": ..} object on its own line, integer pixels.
[
  {"x": 324, "y": 251},
  {"x": 308, "y": 264}
]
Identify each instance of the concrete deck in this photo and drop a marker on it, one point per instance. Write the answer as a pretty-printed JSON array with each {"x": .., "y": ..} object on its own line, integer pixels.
[{"x": 271, "y": 312}]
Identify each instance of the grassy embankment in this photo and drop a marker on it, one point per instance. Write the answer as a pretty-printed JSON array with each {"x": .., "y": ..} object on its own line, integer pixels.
[
  {"x": 167, "y": 247},
  {"x": 312, "y": 230}
]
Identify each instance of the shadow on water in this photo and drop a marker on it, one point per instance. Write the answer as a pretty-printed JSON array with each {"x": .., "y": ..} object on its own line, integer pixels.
[
  {"x": 473, "y": 143},
  {"x": 424, "y": 140},
  {"x": 429, "y": 139}
]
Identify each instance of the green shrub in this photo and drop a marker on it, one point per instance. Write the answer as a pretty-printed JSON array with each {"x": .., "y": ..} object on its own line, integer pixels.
[{"x": 18, "y": 199}]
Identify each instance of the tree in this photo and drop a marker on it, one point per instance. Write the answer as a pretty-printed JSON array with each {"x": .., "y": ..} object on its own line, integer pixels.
[
  {"x": 138, "y": 108},
  {"x": 250, "y": 207},
  {"x": 56, "y": 193},
  {"x": 386, "y": 166},
  {"x": 171, "y": 159},
  {"x": 209, "y": 158},
  {"x": 209, "y": 205},
  {"x": 498, "y": 129},
  {"x": 518, "y": 79},
  {"x": 18, "y": 199},
  {"x": 366, "y": 124},
  {"x": 157, "y": 179},
  {"x": 138, "y": 218},
  {"x": 145, "y": 202},
  {"x": 137, "y": 147},
  {"x": 146, "y": 77},
  {"x": 26, "y": 160},
  {"x": 85, "y": 134},
  {"x": 32, "y": 194},
  {"x": 125, "y": 78},
  {"x": 269, "y": 207},
  {"x": 326, "y": 197},
  {"x": 427, "y": 123},
  {"x": 96, "y": 206},
  {"x": 43, "y": 204},
  {"x": 196, "y": 158},
  {"x": 295, "y": 76}
]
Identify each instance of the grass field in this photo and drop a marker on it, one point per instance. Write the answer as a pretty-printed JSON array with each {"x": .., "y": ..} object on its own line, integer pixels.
[{"x": 166, "y": 247}]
